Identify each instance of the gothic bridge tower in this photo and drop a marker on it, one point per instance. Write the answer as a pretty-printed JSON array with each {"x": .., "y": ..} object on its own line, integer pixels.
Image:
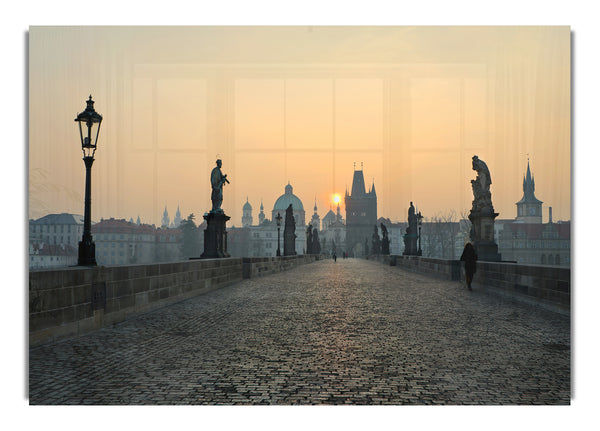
[{"x": 361, "y": 214}]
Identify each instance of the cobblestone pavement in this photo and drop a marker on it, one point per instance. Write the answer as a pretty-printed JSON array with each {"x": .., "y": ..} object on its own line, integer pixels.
[{"x": 351, "y": 332}]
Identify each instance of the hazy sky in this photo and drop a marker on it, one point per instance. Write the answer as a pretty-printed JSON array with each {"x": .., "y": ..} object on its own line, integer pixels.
[{"x": 298, "y": 104}]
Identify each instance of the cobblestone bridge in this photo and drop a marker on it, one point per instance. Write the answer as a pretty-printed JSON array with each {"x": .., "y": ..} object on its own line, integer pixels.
[{"x": 351, "y": 332}]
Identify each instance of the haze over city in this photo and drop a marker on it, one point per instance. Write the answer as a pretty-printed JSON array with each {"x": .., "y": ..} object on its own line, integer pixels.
[{"x": 303, "y": 105}]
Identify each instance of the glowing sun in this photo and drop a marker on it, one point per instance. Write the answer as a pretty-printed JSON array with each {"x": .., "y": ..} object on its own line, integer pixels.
[{"x": 336, "y": 199}]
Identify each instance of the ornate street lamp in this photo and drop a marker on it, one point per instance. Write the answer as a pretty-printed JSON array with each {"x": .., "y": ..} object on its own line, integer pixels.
[
  {"x": 278, "y": 219},
  {"x": 88, "y": 121},
  {"x": 419, "y": 222}
]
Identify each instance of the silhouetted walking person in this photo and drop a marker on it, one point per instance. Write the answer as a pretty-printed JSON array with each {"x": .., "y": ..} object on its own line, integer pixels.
[
  {"x": 469, "y": 257},
  {"x": 334, "y": 257}
]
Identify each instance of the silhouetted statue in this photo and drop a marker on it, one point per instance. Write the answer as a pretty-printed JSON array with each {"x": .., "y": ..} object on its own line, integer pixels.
[
  {"x": 410, "y": 238},
  {"x": 376, "y": 242},
  {"x": 289, "y": 233},
  {"x": 309, "y": 240},
  {"x": 412, "y": 220},
  {"x": 482, "y": 201},
  {"x": 385, "y": 241},
  {"x": 217, "y": 180},
  {"x": 316, "y": 245}
]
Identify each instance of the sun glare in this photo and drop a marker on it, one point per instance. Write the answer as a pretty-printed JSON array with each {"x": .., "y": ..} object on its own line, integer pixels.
[{"x": 336, "y": 199}]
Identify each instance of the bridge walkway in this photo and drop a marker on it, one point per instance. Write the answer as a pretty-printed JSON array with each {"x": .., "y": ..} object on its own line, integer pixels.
[{"x": 351, "y": 332}]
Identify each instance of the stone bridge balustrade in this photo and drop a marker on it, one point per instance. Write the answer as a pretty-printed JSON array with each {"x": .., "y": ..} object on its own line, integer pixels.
[
  {"x": 547, "y": 286},
  {"x": 71, "y": 301}
]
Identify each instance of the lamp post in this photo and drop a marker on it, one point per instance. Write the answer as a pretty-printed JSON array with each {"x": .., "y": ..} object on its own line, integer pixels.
[
  {"x": 419, "y": 222},
  {"x": 88, "y": 121},
  {"x": 278, "y": 219}
]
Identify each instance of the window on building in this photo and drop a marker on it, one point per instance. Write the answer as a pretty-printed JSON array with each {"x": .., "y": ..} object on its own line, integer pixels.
[
  {"x": 550, "y": 260},
  {"x": 543, "y": 259},
  {"x": 557, "y": 260}
]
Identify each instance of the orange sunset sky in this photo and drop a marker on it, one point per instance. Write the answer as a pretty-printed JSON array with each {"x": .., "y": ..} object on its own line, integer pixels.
[{"x": 299, "y": 104}]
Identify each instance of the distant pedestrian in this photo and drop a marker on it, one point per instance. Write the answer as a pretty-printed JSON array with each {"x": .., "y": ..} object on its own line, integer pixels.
[
  {"x": 469, "y": 257},
  {"x": 334, "y": 257}
]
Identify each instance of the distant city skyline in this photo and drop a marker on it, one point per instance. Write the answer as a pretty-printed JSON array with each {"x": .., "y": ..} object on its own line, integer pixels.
[{"x": 299, "y": 105}]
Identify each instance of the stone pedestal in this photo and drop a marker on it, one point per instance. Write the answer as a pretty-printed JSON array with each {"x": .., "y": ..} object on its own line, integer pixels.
[
  {"x": 215, "y": 235},
  {"x": 289, "y": 243},
  {"x": 410, "y": 245},
  {"x": 482, "y": 235}
]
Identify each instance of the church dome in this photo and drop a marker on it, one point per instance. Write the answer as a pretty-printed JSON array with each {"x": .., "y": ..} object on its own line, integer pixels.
[
  {"x": 286, "y": 199},
  {"x": 247, "y": 206}
]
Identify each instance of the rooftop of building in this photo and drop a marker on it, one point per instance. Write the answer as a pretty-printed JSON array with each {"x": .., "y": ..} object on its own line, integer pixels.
[
  {"x": 62, "y": 218},
  {"x": 113, "y": 225}
]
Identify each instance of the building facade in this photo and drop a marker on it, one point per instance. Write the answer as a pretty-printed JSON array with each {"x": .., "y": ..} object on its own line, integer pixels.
[
  {"x": 51, "y": 255},
  {"x": 256, "y": 240},
  {"x": 54, "y": 240},
  {"x": 526, "y": 239},
  {"x": 119, "y": 242},
  {"x": 536, "y": 243},
  {"x": 57, "y": 229}
]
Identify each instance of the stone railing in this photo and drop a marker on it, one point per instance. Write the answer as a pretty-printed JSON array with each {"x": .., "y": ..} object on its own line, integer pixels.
[
  {"x": 70, "y": 301},
  {"x": 259, "y": 266},
  {"x": 547, "y": 286}
]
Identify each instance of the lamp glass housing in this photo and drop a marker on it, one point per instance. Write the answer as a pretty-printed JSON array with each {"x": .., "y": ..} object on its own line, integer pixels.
[{"x": 89, "y": 128}]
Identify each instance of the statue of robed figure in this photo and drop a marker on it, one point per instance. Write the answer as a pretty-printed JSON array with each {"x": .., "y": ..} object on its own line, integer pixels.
[
  {"x": 385, "y": 240},
  {"x": 309, "y": 240},
  {"x": 217, "y": 181},
  {"x": 410, "y": 238},
  {"x": 376, "y": 241},
  {"x": 289, "y": 232}
]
